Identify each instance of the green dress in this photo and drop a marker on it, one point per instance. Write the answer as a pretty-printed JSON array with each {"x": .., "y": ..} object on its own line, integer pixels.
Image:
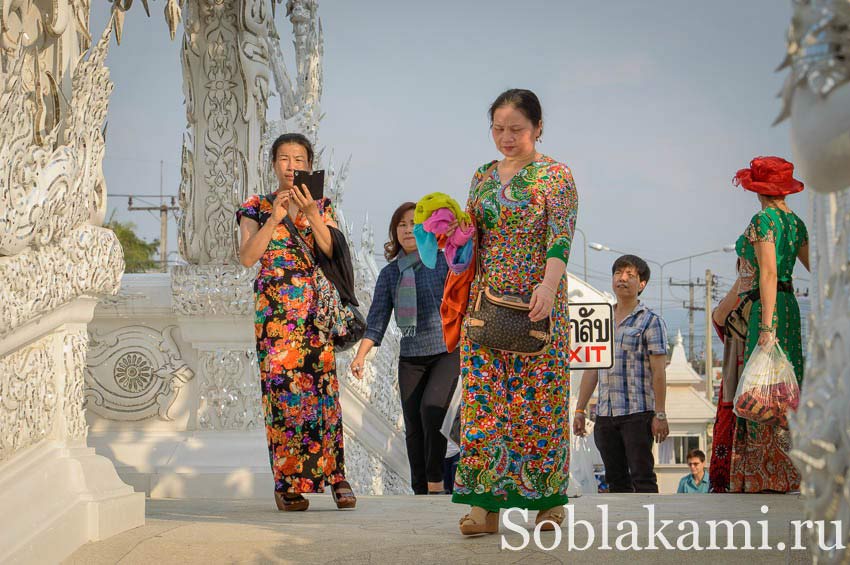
[{"x": 760, "y": 458}]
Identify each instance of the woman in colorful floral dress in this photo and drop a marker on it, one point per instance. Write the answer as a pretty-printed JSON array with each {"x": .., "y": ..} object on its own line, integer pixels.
[
  {"x": 300, "y": 392},
  {"x": 770, "y": 246},
  {"x": 514, "y": 423}
]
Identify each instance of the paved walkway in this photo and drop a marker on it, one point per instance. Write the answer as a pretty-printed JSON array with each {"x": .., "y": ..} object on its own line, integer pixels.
[{"x": 423, "y": 529}]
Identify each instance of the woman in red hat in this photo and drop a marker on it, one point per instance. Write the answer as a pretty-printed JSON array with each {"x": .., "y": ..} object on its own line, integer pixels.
[{"x": 769, "y": 248}]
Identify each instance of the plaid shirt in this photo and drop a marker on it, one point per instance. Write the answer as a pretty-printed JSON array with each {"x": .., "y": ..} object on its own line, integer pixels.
[
  {"x": 626, "y": 388},
  {"x": 429, "y": 295}
]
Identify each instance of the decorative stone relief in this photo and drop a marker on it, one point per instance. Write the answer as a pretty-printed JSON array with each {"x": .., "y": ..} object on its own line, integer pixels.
[
  {"x": 367, "y": 473},
  {"x": 36, "y": 281},
  {"x": 28, "y": 396},
  {"x": 53, "y": 178},
  {"x": 226, "y": 85},
  {"x": 134, "y": 373},
  {"x": 75, "y": 348},
  {"x": 821, "y": 428},
  {"x": 817, "y": 55},
  {"x": 300, "y": 102},
  {"x": 818, "y": 49},
  {"x": 213, "y": 290},
  {"x": 230, "y": 390}
]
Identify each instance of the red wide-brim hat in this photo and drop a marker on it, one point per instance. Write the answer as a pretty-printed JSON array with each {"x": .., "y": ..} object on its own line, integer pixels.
[{"x": 769, "y": 176}]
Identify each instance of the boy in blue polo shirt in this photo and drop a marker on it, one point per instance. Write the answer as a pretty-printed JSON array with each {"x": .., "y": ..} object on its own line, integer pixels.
[{"x": 697, "y": 481}]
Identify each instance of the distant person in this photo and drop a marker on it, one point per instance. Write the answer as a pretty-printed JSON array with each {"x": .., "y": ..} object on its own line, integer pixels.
[
  {"x": 769, "y": 248},
  {"x": 300, "y": 391},
  {"x": 427, "y": 374},
  {"x": 630, "y": 404},
  {"x": 697, "y": 480},
  {"x": 731, "y": 319}
]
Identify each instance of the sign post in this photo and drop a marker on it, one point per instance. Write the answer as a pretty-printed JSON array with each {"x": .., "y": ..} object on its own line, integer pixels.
[{"x": 591, "y": 335}]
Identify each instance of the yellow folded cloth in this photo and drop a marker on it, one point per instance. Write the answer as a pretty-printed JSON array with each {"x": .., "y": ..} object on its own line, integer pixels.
[{"x": 429, "y": 203}]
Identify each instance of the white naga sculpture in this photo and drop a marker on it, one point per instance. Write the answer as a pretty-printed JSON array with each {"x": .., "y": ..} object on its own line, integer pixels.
[
  {"x": 173, "y": 356},
  {"x": 817, "y": 98},
  {"x": 55, "y": 262}
]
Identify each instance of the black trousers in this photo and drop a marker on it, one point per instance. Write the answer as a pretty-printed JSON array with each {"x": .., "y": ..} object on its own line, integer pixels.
[
  {"x": 625, "y": 443},
  {"x": 426, "y": 385}
]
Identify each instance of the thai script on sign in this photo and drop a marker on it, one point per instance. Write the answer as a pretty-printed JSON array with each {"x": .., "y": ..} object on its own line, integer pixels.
[{"x": 591, "y": 336}]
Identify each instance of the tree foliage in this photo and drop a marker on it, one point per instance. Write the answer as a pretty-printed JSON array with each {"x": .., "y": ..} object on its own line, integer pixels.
[{"x": 139, "y": 255}]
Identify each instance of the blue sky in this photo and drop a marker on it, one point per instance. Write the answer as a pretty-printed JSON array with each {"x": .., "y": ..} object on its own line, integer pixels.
[{"x": 654, "y": 105}]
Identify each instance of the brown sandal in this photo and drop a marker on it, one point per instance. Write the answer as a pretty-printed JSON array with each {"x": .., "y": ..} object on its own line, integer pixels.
[
  {"x": 470, "y": 527},
  {"x": 549, "y": 518},
  {"x": 343, "y": 496},
  {"x": 294, "y": 504}
]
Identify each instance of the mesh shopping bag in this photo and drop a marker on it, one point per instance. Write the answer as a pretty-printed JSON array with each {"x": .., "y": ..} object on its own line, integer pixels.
[{"x": 768, "y": 388}]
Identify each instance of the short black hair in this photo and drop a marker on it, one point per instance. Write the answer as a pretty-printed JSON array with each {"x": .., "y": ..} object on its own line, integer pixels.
[
  {"x": 632, "y": 261},
  {"x": 523, "y": 100},
  {"x": 297, "y": 138},
  {"x": 696, "y": 453}
]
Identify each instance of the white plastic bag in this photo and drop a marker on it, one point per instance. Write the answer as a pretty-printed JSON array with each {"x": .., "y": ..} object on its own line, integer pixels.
[
  {"x": 768, "y": 388},
  {"x": 451, "y": 422},
  {"x": 581, "y": 465}
]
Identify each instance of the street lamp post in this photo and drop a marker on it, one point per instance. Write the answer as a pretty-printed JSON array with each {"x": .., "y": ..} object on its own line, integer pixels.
[
  {"x": 584, "y": 240},
  {"x": 725, "y": 249},
  {"x": 689, "y": 258},
  {"x": 600, "y": 247}
]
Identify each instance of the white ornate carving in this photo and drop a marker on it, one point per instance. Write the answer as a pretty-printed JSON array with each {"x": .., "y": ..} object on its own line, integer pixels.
[
  {"x": 817, "y": 49},
  {"x": 230, "y": 390},
  {"x": 36, "y": 281},
  {"x": 27, "y": 396},
  {"x": 53, "y": 182},
  {"x": 226, "y": 77},
  {"x": 821, "y": 429},
  {"x": 816, "y": 93},
  {"x": 134, "y": 373},
  {"x": 213, "y": 290},
  {"x": 366, "y": 471},
  {"x": 300, "y": 103},
  {"x": 75, "y": 347}
]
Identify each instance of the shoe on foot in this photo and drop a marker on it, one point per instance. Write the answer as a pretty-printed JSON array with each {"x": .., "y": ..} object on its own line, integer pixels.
[
  {"x": 550, "y": 518},
  {"x": 342, "y": 495},
  {"x": 479, "y": 521},
  {"x": 290, "y": 502}
]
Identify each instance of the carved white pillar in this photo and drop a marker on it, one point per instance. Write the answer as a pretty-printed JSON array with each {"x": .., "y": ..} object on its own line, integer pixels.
[
  {"x": 817, "y": 97},
  {"x": 55, "y": 260},
  {"x": 226, "y": 85}
]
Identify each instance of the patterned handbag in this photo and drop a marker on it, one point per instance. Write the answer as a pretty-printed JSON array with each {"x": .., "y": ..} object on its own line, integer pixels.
[{"x": 501, "y": 322}]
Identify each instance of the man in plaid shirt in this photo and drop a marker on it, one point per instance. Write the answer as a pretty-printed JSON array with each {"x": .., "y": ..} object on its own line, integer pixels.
[{"x": 630, "y": 404}]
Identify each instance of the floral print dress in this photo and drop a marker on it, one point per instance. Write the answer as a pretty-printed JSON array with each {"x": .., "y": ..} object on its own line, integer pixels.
[
  {"x": 515, "y": 441},
  {"x": 760, "y": 458},
  {"x": 300, "y": 392}
]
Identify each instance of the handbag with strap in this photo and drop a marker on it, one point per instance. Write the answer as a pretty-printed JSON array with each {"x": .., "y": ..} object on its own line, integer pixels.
[
  {"x": 738, "y": 321},
  {"x": 501, "y": 322},
  {"x": 343, "y": 322}
]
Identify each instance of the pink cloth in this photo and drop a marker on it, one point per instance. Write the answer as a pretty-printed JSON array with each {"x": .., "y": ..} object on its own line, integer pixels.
[
  {"x": 438, "y": 223},
  {"x": 458, "y": 254}
]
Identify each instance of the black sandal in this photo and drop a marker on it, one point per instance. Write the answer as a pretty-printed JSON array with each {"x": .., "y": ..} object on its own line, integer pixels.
[
  {"x": 343, "y": 496},
  {"x": 290, "y": 503}
]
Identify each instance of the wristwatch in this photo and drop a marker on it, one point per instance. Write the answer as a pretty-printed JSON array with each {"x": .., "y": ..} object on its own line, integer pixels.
[{"x": 661, "y": 415}]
